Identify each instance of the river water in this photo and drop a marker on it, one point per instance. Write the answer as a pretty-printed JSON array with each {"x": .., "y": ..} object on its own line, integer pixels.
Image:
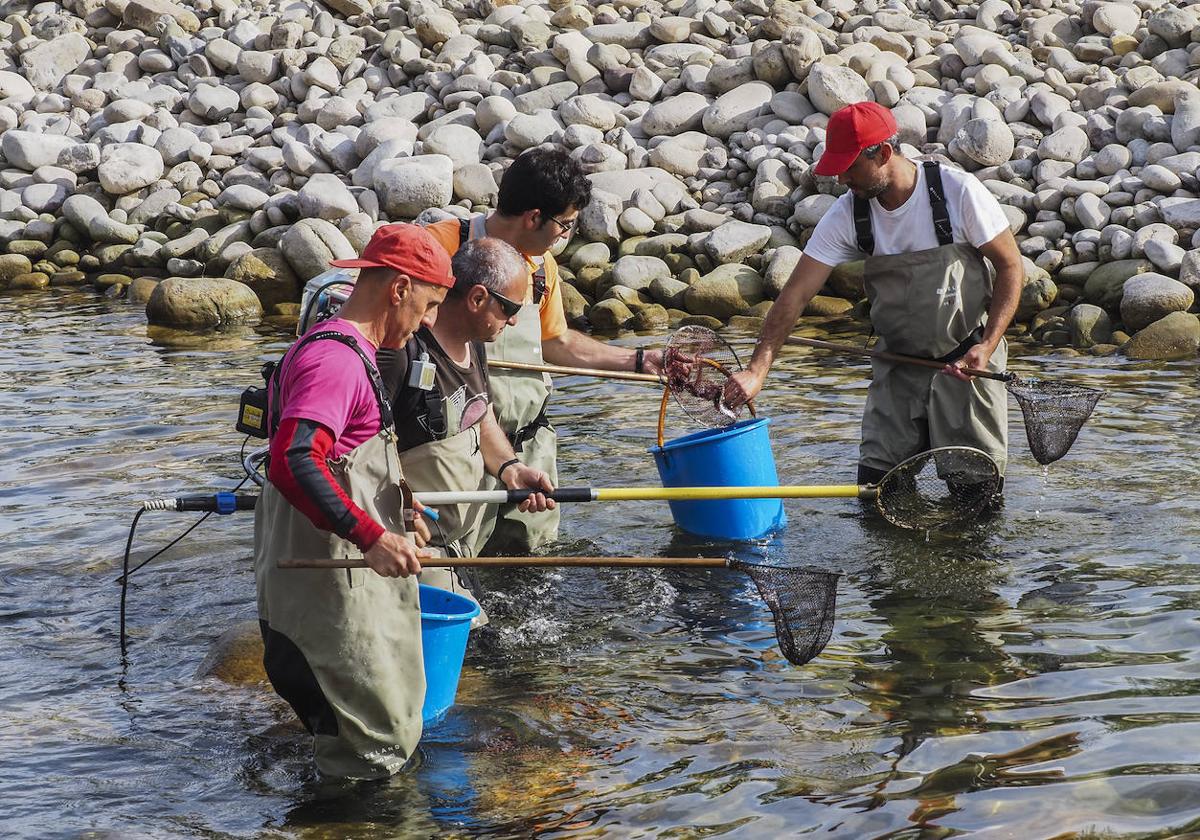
[{"x": 1036, "y": 676}]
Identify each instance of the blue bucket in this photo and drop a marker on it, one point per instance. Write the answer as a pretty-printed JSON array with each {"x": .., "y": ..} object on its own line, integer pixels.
[
  {"x": 737, "y": 456},
  {"x": 445, "y": 625}
]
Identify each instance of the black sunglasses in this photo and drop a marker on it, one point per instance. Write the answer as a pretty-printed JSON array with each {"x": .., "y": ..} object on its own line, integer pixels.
[{"x": 507, "y": 305}]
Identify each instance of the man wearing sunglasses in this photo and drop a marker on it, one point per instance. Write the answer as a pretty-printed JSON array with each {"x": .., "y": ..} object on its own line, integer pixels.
[
  {"x": 449, "y": 438},
  {"x": 538, "y": 204}
]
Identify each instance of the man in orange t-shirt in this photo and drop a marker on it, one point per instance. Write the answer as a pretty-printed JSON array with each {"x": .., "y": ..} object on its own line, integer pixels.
[{"x": 539, "y": 201}]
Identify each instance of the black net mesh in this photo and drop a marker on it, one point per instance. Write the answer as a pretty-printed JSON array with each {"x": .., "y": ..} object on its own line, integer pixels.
[
  {"x": 1054, "y": 413},
  {"x": 696, "y": 365},
  {"x": 801, "y": 600},
  {"x": 938, "y": 489}
]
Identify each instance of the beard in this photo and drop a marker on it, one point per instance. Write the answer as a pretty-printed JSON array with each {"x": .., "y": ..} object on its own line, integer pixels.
[{"x": 870, "y": 191}]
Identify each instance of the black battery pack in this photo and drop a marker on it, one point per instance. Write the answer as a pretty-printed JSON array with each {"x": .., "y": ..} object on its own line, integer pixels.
[{"x": 252, "y": 412}]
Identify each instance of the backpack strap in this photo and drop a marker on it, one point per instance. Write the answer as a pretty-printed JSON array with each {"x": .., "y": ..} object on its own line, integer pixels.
[
  {"x": 464, "y": 231},
  {"x": 863, "y": 232},
  {"x": 937, "y": 202},
  {"x": 539, "y": 281},
  {"x": 385, "y": 407},
  {"x": 422, "y": 413}
]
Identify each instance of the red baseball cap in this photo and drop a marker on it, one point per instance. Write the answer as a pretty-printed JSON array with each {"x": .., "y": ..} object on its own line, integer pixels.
[
  {"x": 409, "y": 249},
  {"x": 850, "y": 130}
]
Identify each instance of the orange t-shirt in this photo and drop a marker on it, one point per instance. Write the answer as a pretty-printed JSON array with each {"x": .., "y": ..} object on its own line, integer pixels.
[{"x": 550, "y": 310}]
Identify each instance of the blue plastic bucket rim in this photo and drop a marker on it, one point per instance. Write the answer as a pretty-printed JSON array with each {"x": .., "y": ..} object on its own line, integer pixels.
[
  {"x": 706, "y": 435},
  {"x": 470, "y": 609}
]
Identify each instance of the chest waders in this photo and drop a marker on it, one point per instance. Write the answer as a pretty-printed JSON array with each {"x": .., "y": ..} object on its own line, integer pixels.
[
  {"x": 520, "y": 399},
  {"x": 455, "y": 463},
  {"x": 343, "y": 646},
  {"x": 930, "y": 303}
]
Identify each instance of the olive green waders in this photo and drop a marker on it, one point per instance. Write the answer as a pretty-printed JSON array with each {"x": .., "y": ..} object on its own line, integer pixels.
[
  {"x": 519, "y": 399},
  {"x": 453, "y": 463},
  {"x": 343, "y": 646},
  {"x": 929, "y": 303}
]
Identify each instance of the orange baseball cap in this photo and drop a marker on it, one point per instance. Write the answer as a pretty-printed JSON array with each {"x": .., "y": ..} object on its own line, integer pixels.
[
  {"x": 409, "y": 249},
  {"x": 850, "y": 130}
]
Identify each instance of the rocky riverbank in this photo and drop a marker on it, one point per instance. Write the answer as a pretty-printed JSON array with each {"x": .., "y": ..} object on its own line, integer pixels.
[{"x": 233, "y": 147}]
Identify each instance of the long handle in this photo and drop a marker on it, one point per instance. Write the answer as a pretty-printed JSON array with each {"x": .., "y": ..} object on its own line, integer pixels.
[
  {"x": 1006, "y": 376},
  {"x": 648, "y": 494},
  {"x": 452, "y": 562},
  {"x": 624, "y": 375}
]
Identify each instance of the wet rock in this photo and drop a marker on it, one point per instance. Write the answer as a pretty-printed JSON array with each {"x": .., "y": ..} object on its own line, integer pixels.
[
  {"x": 268, "y": 274},
  {"x": 1176, "y": 336},
  {"x": 1089, "y": 325},
  {"x": 725, "y": 291},
  {"x": 202, "y": 304}
]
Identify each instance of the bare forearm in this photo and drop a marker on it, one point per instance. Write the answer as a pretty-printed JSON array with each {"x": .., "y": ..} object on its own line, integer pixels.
[
  {"x": 807, "y": 279},
  {"x": 1006, "y": 291},
  {"x": 493, "y": 443},
  {"x": 574, "y": 349}
]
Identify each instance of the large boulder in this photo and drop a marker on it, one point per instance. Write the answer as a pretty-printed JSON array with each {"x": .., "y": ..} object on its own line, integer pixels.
[
  {"x": 310, "y": 244},
  {"x": 462, "y": 144},
  {"x": 127, "y": 167},
  {"x": 1037, "y": 293},
  {"x": 1089, "y": 325},
  {"x": 598, "y": 220},
  {"x": 1177, "y": 336},
  {"x": 779, "y": 270},
  {"x": 1149, "y": 297},
  {"x": 725, "y": 291},
  {"x": 407, "y": 186},
  {"x": 324, "y": 196},
  {"x": 47, "y": 63},
  {"x": 146, "y": 15},
  {"x": 267, "y": 273},
  {"x": 1106, "y": 285},
  {"x": 683, "y": 112},
  {"x": 28, "y": 150},
  {"x": 202, "y": 303},
  {"x": 88, "y": 215},
  {"x": 831, "y": 88},
  {"x": 733, "y": 241},
  {"x": 734, "y": 110}
]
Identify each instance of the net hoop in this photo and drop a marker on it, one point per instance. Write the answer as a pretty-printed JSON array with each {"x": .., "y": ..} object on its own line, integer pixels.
[{"x": 940, "y": 489}]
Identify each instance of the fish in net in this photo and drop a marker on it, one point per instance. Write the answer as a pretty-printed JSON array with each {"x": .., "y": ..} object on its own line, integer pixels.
[
  {"x": 1054, "y": 413},
  {"x": 802, "y": 601},
  {"x": 940, "y": 489},
  {"x": 696, "y": 364}
]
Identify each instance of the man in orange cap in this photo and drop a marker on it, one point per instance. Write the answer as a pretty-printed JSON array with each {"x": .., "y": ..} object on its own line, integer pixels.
[
  {"x": 343, "y": 646},
  {"x": 924, "y": 230}
]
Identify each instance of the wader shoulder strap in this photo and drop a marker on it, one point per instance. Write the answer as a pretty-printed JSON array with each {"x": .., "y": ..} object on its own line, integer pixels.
[
  {"x": 385, "y": 408},
  {"x": 937, "y": 202},
  {"x": 862, "y": 226},
  {"x": 464, "y": 231},
  {"x": 865, "y": 236}
]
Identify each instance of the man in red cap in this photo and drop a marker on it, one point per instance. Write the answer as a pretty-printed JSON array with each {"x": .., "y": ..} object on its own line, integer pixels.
[
  {"x": 924, "y": 230},
  {"x": 343, "y": 646}
]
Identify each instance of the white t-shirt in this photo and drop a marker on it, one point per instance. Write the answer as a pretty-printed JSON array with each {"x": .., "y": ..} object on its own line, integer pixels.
[{"x": 975, "y": 216}]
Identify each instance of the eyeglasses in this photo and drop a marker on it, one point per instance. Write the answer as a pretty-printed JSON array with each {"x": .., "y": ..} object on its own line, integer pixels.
[
  {"x": 564, "y": 228},
  {"x": 508, "y": 306}
]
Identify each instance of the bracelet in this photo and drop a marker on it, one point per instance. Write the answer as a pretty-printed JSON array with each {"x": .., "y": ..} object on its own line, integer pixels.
[
  {"x": 639, "y": 360},
  {"x": 504, "y": 466}
]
